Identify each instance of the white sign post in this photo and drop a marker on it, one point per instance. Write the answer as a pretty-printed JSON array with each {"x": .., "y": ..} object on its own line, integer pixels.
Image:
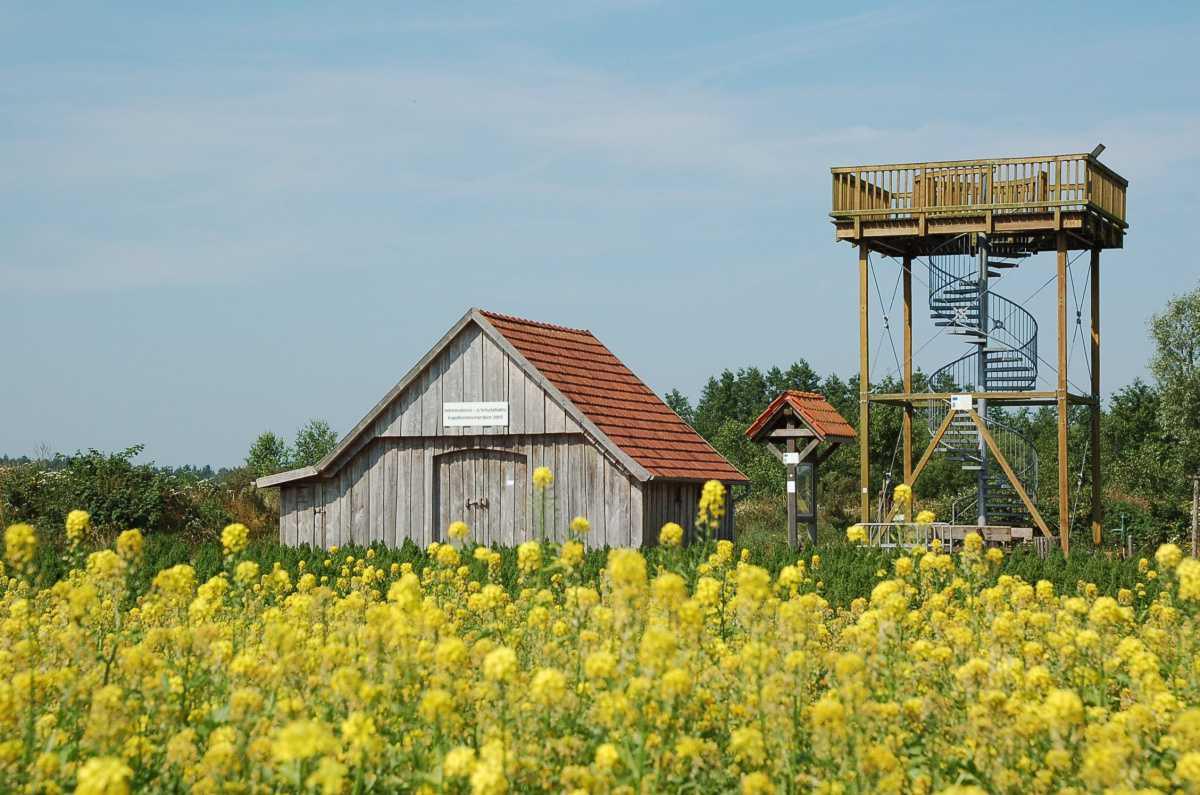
[{"x": 475, "y": 414}]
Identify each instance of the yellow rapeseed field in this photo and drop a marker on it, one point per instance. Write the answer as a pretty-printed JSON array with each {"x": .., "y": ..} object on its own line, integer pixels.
[{"x": 707, "y": 678}]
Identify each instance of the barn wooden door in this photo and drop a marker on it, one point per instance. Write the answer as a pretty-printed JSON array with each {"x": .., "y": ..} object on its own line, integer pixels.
[{"x": 487, "y": 489}]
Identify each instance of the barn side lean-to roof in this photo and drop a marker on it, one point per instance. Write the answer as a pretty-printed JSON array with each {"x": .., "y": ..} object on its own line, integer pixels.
[{"x": 615, "y": 409}]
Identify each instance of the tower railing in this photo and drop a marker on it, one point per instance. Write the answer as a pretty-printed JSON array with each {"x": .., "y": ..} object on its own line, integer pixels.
[{"x": 959, "y": 187}]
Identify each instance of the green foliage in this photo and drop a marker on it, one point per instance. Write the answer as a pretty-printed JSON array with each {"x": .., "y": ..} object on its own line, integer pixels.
[
  {"x": 268, "y": 454},
  {"x": 1176, "y": 366},
  {"x": 313, "y": 442},
  {"x": 117, "y": 492}
]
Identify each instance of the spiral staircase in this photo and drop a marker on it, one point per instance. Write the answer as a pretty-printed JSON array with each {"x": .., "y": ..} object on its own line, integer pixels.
[{"x": 1002, "y": 337}]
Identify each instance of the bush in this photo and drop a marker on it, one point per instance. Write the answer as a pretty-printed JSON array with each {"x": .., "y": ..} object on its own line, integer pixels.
[{"x": 116, "y": 491}]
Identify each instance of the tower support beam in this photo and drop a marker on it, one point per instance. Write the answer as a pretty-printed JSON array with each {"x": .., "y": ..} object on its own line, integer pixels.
[
  {"x": 1064, "y": 513},
  {"x": 908, "y": 354},
  {"x": 1097, "y": 475},
  {"x": 864, "y": 384}
]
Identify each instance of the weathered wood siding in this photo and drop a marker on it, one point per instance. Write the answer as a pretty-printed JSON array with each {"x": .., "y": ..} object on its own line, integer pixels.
[
  {"x": 386, "y": 493},
  {"x": 678, "y": 501}
]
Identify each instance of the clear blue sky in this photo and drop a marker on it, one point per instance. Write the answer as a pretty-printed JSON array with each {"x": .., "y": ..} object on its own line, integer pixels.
[{"x": 221, "y": 219}]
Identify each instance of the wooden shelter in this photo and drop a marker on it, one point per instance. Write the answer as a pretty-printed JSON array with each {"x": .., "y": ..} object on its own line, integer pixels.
[
  {"x": 970, "y": 222},
  {"x": 459, "y": 436},
  {"x": 793, "y": 418}
]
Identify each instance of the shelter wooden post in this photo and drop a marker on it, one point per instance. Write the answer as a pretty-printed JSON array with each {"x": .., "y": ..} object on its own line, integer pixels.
[
  {"x": 864, "y": 385},
  {"x": 908, "y": 406},
  {"x": 1064, "y": 512},
  {"x": 812, "y": 521},
  {"x": 1097, "y": 475},
  {"x": 792, "y": 466}
]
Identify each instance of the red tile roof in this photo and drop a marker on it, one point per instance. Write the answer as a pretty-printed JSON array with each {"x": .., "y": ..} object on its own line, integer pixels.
[
  {"x": 616, "y": 401},
  {"x": 812, "y": 407}
]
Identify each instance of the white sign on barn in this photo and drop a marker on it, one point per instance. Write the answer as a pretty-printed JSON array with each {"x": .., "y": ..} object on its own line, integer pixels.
[{"x": 475, "y": 414}]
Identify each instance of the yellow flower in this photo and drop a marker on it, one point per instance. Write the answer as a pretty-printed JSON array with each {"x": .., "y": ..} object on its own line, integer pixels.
[
  {"x": 926, "y": 517},
  {"x": 543, "y": 477},
  {"x": 856, "y": 533},
  {"x": 458, "y": 530},
  {"x": 1188, "y": 572},
  {"x": 571, "y": 554},
  {"x": 1187, "y": 769},
  {"x": 129, "y": 545},
  {"x": 529, "y": 557},
  {"x": 302, "y": 739},
  {"x": 447, "y": 556},
  {"x": 246, "y": 572},
  {"x": 329, "y": 777},
  {"x": 500, "y": 664},
  {"x": 626, "y": 568},
  {"x": 103, "y": 775},
  {"x": 757, "y": 783},
  {"x": 671, "y": 535},
  {"x": 712, "y": 504},
  {"x": 435, "y": 705},
  {"x": 1062, "y": 709},
  {"x": 78, "y": 523},
  {"x": 1168, "y": 556},
  {"x": 746, "y": 746},
  {"x": 20, "y": 543},
  {"x": 234, "y": 538},
  {"x": 607, "y": 757},
  {"x": 902, "y": 495},
  {"x": 580, "y": 526},
  {"x": 548, "y": 687},
  {"x": 459, "y": 762},
  {"x": 599, "y": 665}
]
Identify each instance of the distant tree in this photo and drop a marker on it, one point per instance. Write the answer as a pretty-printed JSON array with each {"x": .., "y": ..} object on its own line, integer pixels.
[
  {"x": 269, "y": 454},
  {"x": 313, "y": 442},
  {"x": 680, "y": 404},
  {"x": 1176, "y": 367}
]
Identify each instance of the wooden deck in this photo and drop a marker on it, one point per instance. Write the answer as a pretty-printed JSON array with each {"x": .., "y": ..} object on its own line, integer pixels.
[
  {"x": 912, "y": 207},
  {"x": 904, "y": 535}
]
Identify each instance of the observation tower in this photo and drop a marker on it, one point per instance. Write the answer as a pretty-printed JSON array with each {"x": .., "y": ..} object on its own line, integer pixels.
[{"x": 964, "y": 225}]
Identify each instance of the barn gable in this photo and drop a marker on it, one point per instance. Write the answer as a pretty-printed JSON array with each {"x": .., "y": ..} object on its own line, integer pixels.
[{"x": 472, "y": 362}]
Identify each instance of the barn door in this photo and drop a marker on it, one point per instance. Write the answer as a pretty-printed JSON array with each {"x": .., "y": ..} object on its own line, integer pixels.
[{"x": 487, "y": 489}]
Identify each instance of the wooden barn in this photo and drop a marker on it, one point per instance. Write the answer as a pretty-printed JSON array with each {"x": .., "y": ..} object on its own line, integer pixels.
[{"x": 461, "y": 434}]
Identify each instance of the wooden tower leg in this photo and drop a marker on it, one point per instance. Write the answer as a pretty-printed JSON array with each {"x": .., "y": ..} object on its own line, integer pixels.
[
  {"x": 1097, "y": 475},
  {"x": 908, "y": 406},
  {"x": 1064, "y": 515},
  {"x": 864, "y": 386}
]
